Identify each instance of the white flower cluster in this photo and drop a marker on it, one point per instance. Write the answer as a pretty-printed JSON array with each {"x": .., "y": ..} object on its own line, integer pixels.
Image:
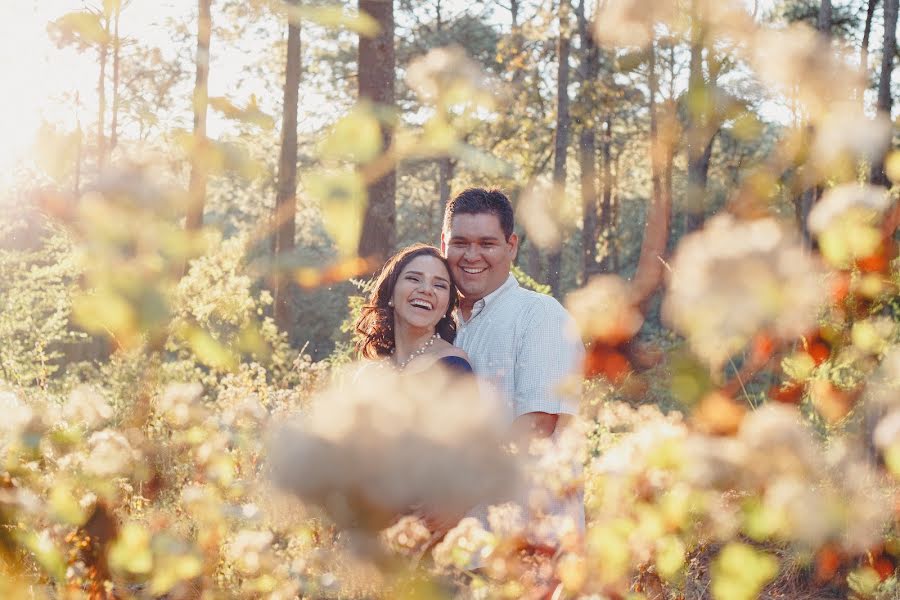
[
  {"x": 447, "y": 70},
  {"x": 87, "y": 407},
  {"x": 371, "y": 450},
  {"x": 735, "y": 279},
  {"x": 604, "y": 309},
  {"x": 840, "y": 200}
]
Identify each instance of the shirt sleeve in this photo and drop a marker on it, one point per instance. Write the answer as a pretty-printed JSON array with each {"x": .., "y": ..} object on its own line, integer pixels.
[{"x": 548, "y": 362}]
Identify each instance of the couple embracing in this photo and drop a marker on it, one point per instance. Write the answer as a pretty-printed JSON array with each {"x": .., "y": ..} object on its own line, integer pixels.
[{"x": 460, "y": 307}]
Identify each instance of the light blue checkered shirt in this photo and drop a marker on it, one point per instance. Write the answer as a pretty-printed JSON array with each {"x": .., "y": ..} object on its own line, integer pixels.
[{"x": 526, "y": 346}]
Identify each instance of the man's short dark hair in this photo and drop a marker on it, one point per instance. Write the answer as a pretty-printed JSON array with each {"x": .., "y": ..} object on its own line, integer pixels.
[{"x": 474, "y": 201}]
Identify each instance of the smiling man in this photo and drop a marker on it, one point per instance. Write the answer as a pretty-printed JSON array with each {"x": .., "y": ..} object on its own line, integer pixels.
[{"x": 521, "y": 342}]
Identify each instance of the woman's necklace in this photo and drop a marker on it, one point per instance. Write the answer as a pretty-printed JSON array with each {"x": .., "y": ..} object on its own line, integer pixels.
[{"x": 419, "y": 352}]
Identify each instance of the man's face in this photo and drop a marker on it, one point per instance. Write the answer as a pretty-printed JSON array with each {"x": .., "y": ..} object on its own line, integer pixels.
[{"x": 479, "y": 255}]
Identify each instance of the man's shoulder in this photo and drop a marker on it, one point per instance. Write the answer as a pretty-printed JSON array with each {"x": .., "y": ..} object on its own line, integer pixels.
[{"x": 538, "y": 304}]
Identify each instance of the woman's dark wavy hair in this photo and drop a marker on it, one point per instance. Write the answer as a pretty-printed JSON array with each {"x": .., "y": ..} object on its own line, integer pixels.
[{"x": 375, "y": 326}]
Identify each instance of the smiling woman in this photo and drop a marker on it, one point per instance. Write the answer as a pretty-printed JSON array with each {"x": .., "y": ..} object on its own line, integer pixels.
[{"x": 410, "y": 312}]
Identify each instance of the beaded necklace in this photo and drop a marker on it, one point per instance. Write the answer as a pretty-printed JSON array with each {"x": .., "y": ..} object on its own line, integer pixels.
[{"x": 418, "y": 352}]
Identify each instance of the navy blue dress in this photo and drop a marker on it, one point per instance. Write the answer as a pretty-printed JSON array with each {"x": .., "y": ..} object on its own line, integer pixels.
[{"x": 456, "y": 364}]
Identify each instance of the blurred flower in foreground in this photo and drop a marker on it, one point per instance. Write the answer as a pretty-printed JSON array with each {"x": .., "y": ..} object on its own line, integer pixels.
[
  {"x": 631, "y": 22},
  {"x": 803, "y": 64},
  {"x": 736, "y": 279},
  {"x": 87, "y": 407},
  {"x": 605, "y": 310},
  {"x": 465, "y": 546},
  {"x": 846, "y": 222},
  {"x": 16, "y": 415},
  {"x": 372, "y": 450},
  {"x": 110, "y": 454},
  {"x": 180, "y": 405},
  {"x": 847, "y": 135},
  {"x": 540, "y": 212},
  {"x": 449, "y": 74}
]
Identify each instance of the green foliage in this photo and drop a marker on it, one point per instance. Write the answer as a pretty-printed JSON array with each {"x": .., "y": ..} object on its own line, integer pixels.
[{"x": 38, "y": 273}]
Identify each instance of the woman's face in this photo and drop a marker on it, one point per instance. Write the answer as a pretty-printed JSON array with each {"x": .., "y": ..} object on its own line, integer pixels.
[{"x": 422, "y": 292}]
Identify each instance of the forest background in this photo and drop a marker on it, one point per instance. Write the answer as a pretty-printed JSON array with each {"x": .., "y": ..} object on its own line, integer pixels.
[{"x": 195, "y": 194}]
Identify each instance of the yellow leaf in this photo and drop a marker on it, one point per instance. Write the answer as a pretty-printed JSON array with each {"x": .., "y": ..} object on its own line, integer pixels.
[
  {"x": 209, "y": 351},
  {"x": 130, "y": 552},
  {"x": 670, "y": 556},
  {"x": 332, "y": 16},
  {"x": 45, "y": 552},
  {"x": 104, "y": 311},
  {"x": 172, "y": 570},
  {"x": 65, "y": 506},
  {"x": 740, "y": 572},
  {"x": 892, "y": 166},
  {"x": 82, "y": 26},
  {"x": 342, "y": 198},
  {"x": 355, "y": 137}
]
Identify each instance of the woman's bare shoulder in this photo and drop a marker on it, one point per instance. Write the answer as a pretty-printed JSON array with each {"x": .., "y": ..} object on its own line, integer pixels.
[{"x": 444, "y": 348}]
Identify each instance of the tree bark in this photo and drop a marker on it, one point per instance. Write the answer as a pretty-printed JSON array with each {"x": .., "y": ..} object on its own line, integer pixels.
[
  {"x": 606, "y": 206},
  {"x": 103, "y": 51},
  {"x": 117, "y": 51},
  {"x": 376, "y": 84},
  {"x": 197, "y": 184},
  {"x": 867, "y": 32},
  {"x": 554, "y": 257},
  {"x": 878, "y": 175},
  {"x": 587, "y": 146},
  {"x": 648, "y": 275},
  {"x": 698, "y": 144},
  {"x": 286, "y": 198},
  {"x": 824, "y": 22}
]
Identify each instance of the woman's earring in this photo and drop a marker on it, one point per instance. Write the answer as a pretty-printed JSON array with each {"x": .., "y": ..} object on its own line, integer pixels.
[{"x": 391, "y": 303}]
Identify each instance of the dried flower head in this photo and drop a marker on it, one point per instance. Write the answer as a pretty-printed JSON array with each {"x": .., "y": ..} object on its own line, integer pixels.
[
  {"x": 465, "y": 546},
  {"x": 846, "y": 221},
  {"x": 370, "y": 451},
  {"x": 180, "y": 405},
  {"x": 846, "y": 133},
  {"x": 448, "y": 73},
  {"x": 803, "y": 64},
  {"x": 604, "y": 310},
  {"x": 87, "y": 407},
  {"x": 735, "y": 279},
  {"x": 110, "y": 454}
]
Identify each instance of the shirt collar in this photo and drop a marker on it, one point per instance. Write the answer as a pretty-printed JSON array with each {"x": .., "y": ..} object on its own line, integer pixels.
[{"x": 481, "y": 304}]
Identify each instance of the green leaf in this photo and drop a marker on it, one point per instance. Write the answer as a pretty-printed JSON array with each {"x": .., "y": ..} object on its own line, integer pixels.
[{"x": 332, "y": 16}]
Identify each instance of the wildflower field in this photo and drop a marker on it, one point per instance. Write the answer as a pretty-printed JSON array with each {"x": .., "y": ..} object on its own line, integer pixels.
[{"x": 194, "y": 197}]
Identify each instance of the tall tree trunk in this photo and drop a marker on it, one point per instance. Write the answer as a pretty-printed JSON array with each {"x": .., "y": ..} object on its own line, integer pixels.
[
  {"x": 606, "y": 206},
  {"x": 878, "y": 176},
  {"x": 614, "y": 205},
  {"x": 587, "y": 145},
  {"x": 101, "y": 102},
  {"x": 648, "y": 275},
  {"x": 824, "y": 22},
  {"x": 864, "y": 50},
  {"x": 286, "y": 198},
  {"x": 117, "y": 51},
  {"x": 376, "y": 83},
  {"x": 700, "y": 126},
  {"x": 197, "y": 184},
  {"x": 554, "y": 258}
]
